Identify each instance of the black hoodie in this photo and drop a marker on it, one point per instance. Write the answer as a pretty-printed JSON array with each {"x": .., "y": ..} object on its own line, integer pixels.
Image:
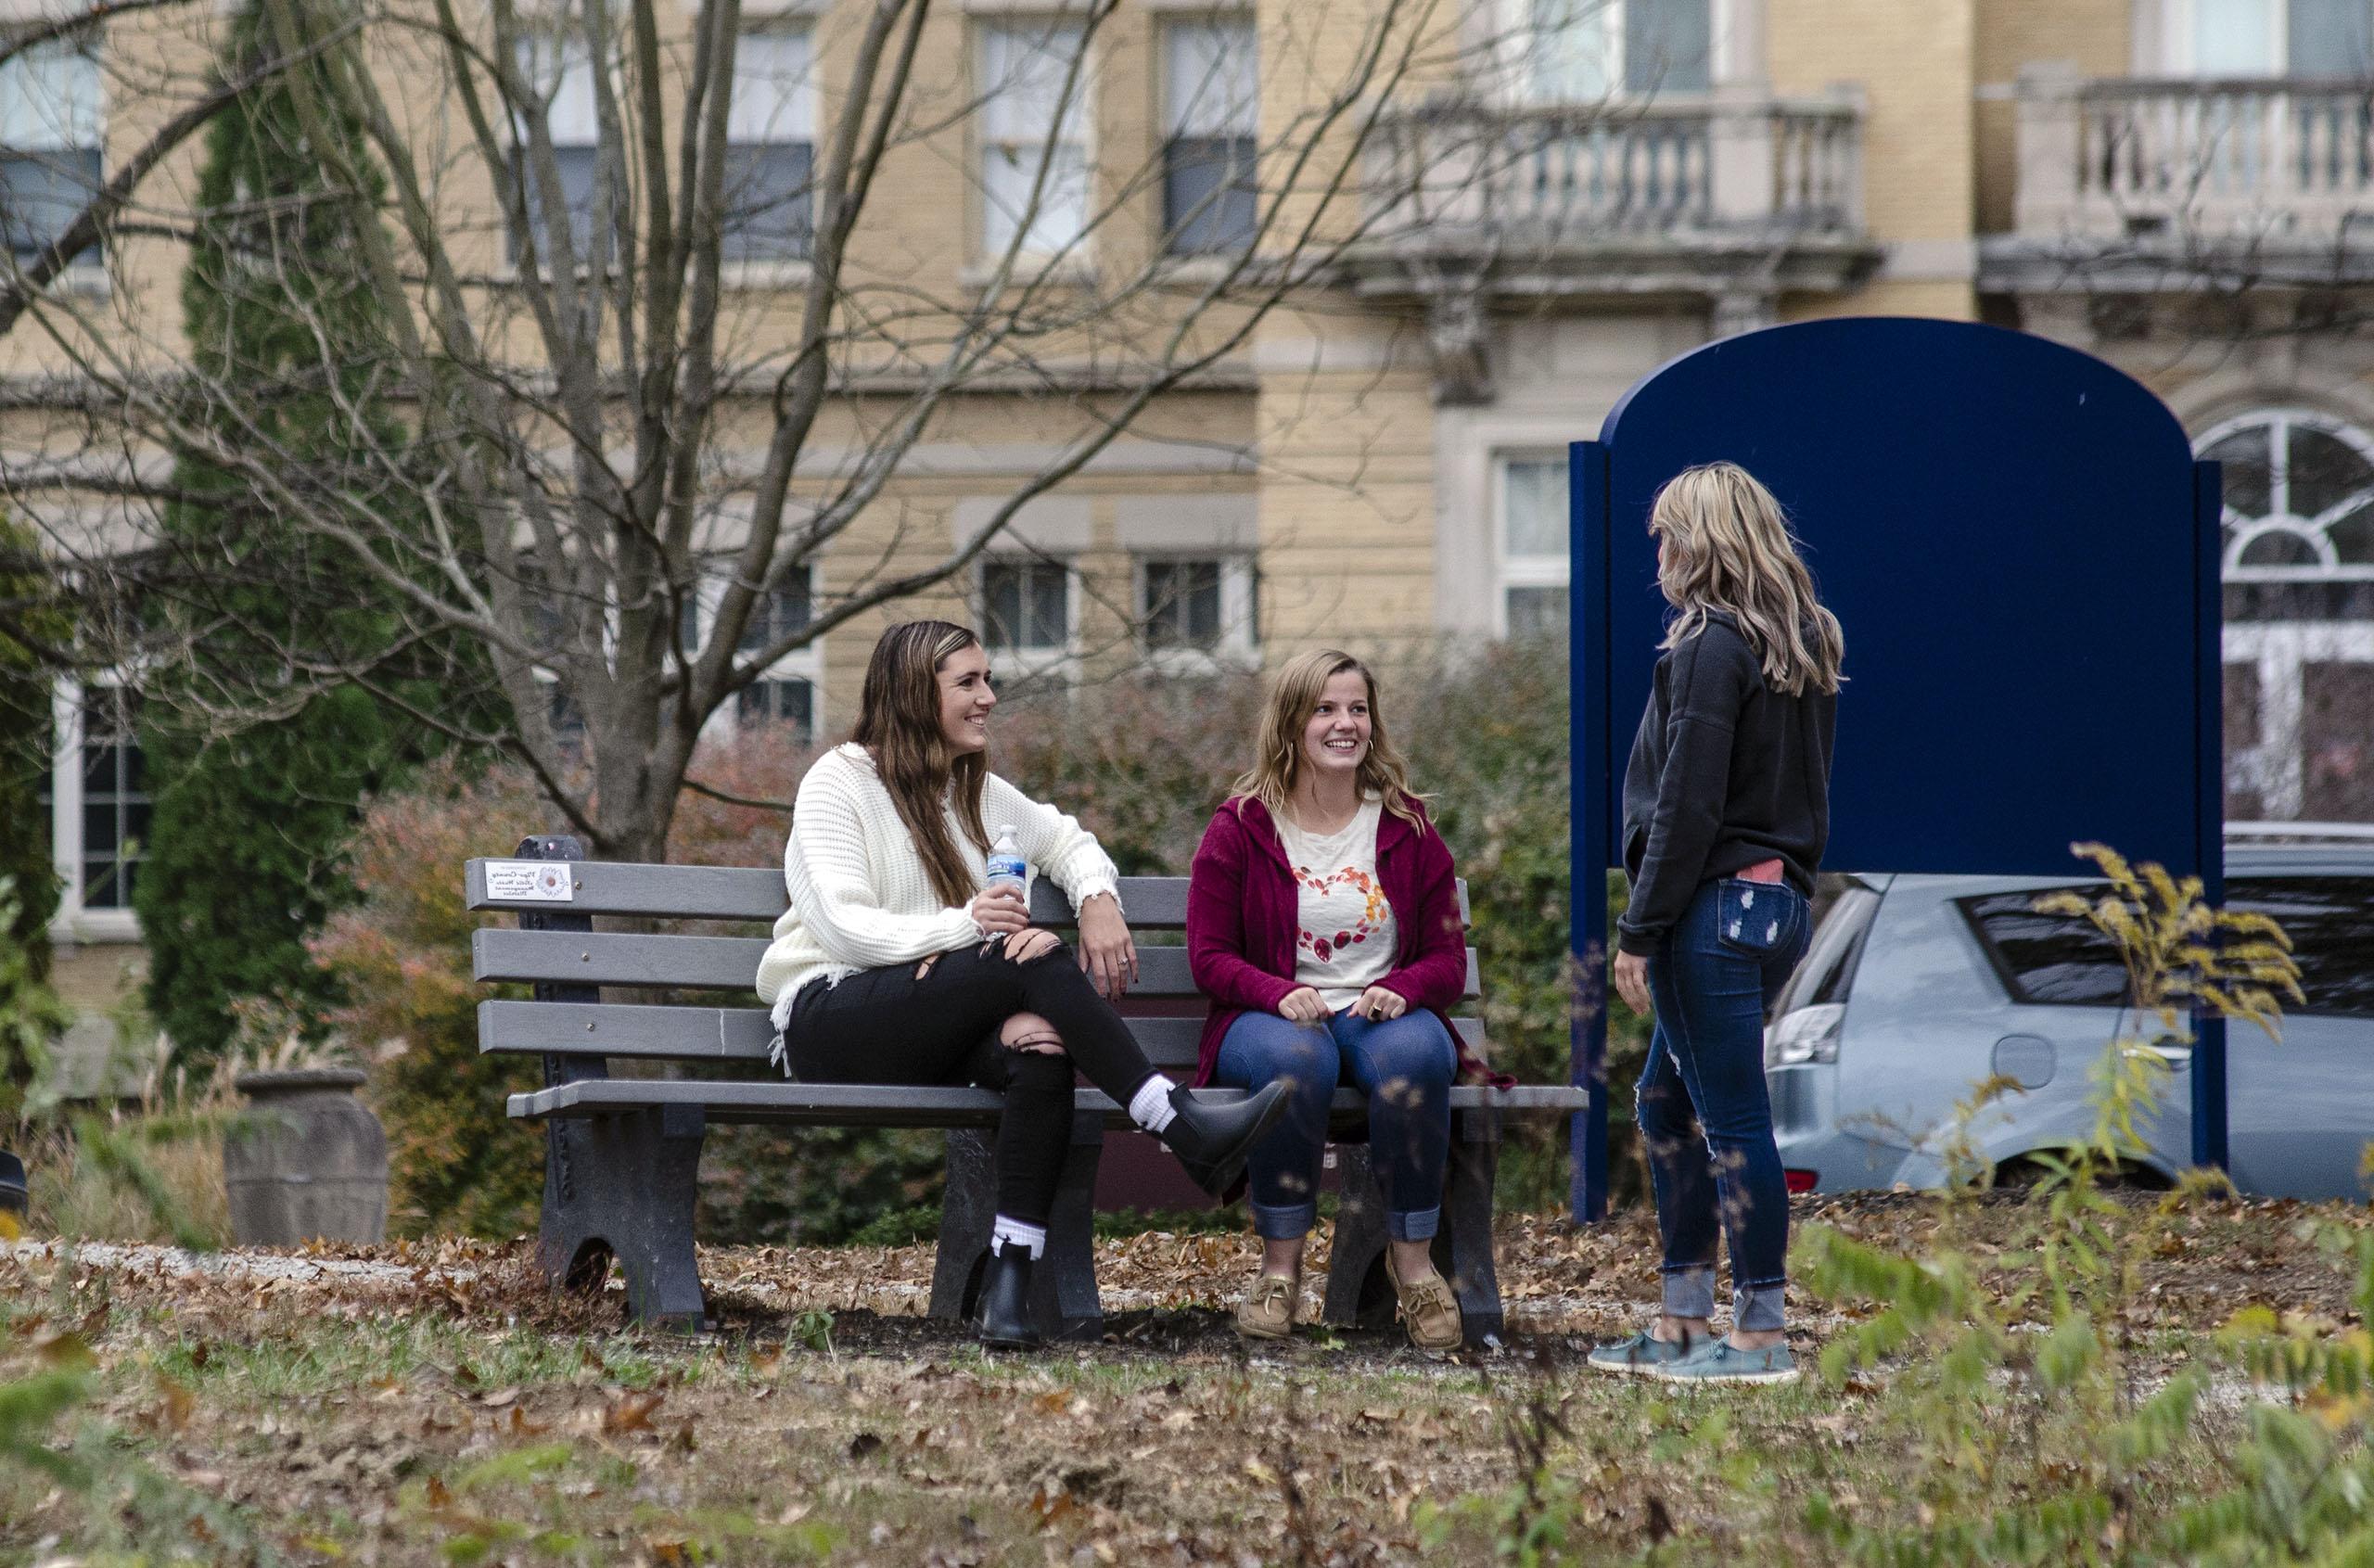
[{"x": 1725, "y": 774}]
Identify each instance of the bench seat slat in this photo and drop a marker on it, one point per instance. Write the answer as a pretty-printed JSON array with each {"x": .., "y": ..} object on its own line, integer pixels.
[
  {"x": 847, "y": 1104},
  {"x": 733, "y": 1034},
  {"x": 728, "y": 963},
  {"x": 757, "y": 893}
]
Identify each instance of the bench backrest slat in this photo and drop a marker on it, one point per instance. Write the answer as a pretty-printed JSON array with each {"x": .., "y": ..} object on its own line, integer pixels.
[
  {"x": 723, "y": 963},
  {"x": 1155, "y": 903},
  {"x": 726, "y": 1034}
]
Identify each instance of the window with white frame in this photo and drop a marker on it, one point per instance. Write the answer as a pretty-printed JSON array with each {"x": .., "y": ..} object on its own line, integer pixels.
[
  {"x": 98, "y": 800},
  {"x": 770, "y": 147},
  {"x": 558, "y": 69},
  {"x": 1027, "y": 607},
  {"x": 51, "y": 135},
  {"x": 2298, "y": 569},
  {"x": 1531, "y": 532},
  {"x": 1212, "y": 116},
  {"x": 2247, "y": 38},
  {"x": 1198, "y": 607},
  {"x": 1581, "y": 51},
  {"x": 1033, "y": 118},
  {"x": 784, "y": 693}
]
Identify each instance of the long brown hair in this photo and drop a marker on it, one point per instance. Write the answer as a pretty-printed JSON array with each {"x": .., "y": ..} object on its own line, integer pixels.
[
  {"x": 898, "y": 722},
  {"x": 1293, "y": 696},
  {"x": 1728, "y": 547}
]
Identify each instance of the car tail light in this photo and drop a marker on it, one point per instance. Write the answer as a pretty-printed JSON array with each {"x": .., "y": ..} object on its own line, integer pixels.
[
  {"x": 1809, "y": 1034},
  {"x": 1802, "y": 1181}
]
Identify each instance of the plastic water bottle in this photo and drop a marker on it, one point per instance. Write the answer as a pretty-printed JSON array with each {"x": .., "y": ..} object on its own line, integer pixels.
[{"x": 1007, "y": 867}]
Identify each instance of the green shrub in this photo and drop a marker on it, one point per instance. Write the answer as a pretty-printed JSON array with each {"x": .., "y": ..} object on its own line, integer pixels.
[{"x": 257, "y": 779}]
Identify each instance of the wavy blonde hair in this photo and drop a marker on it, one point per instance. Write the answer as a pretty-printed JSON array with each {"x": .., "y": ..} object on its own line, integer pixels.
[
  {"x": 898, "y": 721},
  {"x": 1293, "y": 697},
  {"x": 1728, "y": 547}
]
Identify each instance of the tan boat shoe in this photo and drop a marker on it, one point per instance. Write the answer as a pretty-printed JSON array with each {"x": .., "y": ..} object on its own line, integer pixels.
[
  {"x": 1428, "y": 1309},
  {"x": 1267, "y": 1310}
]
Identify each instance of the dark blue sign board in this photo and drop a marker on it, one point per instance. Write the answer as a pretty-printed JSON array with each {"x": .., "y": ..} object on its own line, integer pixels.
[{"x": 2025, "y": 556}]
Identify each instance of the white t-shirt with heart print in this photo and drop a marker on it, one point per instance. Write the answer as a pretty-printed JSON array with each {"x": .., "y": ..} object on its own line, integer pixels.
[{"x": 1343, "y": 935}]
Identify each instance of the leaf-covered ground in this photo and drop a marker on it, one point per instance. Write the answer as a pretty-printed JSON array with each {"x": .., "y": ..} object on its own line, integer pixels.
[{"x": 433, "y": 1404}]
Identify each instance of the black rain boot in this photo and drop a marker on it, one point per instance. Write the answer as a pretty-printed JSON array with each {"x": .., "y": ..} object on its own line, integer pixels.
[
  {"x": 1004, "y": 1322},
  {"x": 1212, "y": 1141}
]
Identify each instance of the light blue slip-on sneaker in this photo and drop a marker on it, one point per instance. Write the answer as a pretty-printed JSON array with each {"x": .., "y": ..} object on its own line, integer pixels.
[
  {"x": 1717, "y": 1360},
  {"x": 1642, "y": 1353}
]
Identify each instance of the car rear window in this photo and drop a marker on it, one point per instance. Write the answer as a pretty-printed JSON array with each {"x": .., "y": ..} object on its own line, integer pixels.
[
  {"x": 1828, "y": 972},
  {"x": 2061, "y": 960},
  {"x": 2047, "y": 960},
  {"x": 2331, "y": 922}
]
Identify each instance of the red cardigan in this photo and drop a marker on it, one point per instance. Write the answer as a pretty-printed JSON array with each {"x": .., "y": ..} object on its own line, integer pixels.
[{"x": 1241, "y": 910}]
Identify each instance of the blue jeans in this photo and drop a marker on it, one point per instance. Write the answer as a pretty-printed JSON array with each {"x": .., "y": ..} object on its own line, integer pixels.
[
  {"x": 1705, "y": 1119},
  {"x": 1404, "y": 1065}
]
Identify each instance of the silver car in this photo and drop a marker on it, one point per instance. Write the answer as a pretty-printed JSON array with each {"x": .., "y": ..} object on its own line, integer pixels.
[{"x": 1917, "y": 988}]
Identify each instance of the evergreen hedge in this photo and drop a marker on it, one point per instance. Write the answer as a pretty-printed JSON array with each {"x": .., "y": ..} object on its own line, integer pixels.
[{"x": 248, "y": 817}]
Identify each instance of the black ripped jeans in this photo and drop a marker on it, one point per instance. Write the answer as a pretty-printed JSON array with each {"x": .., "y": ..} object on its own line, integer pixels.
[{"x": 885, "y": 1026}]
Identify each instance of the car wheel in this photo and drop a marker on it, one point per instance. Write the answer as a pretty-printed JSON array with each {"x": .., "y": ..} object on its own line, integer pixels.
[{"x": 2021, "y": 1173}]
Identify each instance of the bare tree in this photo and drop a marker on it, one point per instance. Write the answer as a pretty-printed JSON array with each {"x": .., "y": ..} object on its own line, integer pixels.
[{"x": 572, "y": 361}]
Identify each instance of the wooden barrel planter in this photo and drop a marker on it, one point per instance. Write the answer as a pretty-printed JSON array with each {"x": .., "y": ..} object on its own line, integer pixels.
[{"x": 307, "y": 1160}]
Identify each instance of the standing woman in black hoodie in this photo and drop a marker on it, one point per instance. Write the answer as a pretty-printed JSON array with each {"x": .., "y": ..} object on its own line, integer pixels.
[{"x": 1726, "y": 813}]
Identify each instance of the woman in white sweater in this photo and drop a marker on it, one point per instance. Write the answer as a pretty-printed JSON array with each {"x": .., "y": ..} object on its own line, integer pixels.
[{"x": 895, "y": 965}]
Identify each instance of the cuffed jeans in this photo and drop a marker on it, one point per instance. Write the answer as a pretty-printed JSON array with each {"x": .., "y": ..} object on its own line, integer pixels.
[
  {"x": 1704, "y": 1116},
  {"x": 1404, "y": 1065}
]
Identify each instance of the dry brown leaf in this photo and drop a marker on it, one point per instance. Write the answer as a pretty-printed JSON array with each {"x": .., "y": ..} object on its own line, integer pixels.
[
  {"x": 630, "y": 1413},
  {"x": 176, "y": 1406}
]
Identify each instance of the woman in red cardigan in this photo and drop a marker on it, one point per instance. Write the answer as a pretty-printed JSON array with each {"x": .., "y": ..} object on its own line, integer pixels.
[{"x": 1322, "y": 920}]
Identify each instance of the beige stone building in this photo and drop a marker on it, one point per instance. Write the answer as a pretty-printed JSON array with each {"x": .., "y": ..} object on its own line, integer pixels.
[{"x": 1571, "y": 193}]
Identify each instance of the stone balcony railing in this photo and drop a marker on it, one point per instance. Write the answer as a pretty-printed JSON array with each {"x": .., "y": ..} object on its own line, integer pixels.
[
  {"x": 1626, "y": 197},
  {"x": 1729, "y": 198},
  {"x": 2274, "y": 168}
]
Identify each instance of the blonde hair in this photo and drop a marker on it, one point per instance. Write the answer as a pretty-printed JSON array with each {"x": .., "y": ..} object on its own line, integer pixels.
[
  {"x": 898, "y": 722},
  {"x": 1728, "y": 547},
  {"x": 1293, "y": 697}
]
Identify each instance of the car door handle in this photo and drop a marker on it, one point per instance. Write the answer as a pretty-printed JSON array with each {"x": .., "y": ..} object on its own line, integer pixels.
[{"x": 2176, "y": 1053}]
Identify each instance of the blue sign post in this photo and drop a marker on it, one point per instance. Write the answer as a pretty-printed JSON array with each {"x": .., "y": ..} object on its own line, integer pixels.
[{"x": 2024, "y": 553}]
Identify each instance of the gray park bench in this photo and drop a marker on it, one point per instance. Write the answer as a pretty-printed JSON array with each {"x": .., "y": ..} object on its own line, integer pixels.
[{"x": 623, "y": 1153}]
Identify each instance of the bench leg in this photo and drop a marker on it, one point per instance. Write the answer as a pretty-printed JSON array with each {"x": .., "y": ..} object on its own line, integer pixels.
[
  {"x": 967, "y": 1207},
  {"x": 1359, "y": 1292},
  {"x": 1467, "y": 1225},
  {"x": 623, "y": 1187},
  {"x": 1063, "y": 1287}
]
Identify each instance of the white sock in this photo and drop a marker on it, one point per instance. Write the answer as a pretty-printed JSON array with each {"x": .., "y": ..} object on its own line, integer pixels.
[
  {"x": 1031, "y": 1238},
  {"x": 1149, "y": 1107}
]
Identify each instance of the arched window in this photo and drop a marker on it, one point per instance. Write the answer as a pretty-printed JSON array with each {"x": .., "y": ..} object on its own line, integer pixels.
[
  {"x": 2299, "y": 497},
  {"x": 2298, "y": 603}
]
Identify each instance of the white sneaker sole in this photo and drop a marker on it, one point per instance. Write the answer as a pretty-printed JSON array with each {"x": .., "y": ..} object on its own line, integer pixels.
[
  {"x": 1667, "y": 1375},
  {"x": 1627, "y": 1368}
]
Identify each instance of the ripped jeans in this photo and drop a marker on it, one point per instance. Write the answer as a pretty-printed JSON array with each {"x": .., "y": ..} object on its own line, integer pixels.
[
  {"x": 887, "y": 1026},
  {"x": 1705, "y": 1118}
]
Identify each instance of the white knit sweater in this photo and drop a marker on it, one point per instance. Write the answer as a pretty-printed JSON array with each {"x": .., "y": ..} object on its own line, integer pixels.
[{"x": 860, "y": 895}]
